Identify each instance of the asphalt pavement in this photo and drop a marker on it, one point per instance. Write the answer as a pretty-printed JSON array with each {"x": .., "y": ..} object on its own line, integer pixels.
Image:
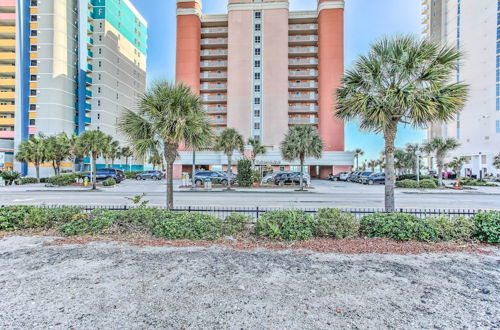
[{"x": 323, "y": 194}]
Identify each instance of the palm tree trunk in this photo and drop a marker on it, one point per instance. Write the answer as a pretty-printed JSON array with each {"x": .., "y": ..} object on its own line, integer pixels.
[
  {"x": 440, "y": 170},
  {"x": 301, "y": 173},
  {"x": 357, "y": 162},
  {"x": 37, "y": 168},
  {"x": 170, "y": 151},
  {"x": 389, "y": 137},
  {"x": 193, "y": 170},
  {"x": 54, "y": 167},
  {"x": 229, "y": 171},
  {"x": 94, "y": 171}
]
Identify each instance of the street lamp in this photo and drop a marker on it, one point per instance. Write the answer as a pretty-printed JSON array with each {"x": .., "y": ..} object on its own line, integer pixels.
[{"x": 418, "y": 153}]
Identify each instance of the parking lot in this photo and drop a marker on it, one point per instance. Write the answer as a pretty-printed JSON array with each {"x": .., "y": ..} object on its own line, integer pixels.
[{"x": 323, "y": 194}]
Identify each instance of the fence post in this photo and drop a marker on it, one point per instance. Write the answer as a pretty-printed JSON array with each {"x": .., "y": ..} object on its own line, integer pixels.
[
  {"x": 257, "y": 211},
  {"x": 189, "y": 209}
]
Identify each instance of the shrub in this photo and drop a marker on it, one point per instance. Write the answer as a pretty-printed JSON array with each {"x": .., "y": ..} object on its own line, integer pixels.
[
  {"x": 476, "y": 183},
  {"x": 78, "y": 225},
  {"x": 245, "y": 176},
  {"x": 132, "y": 174},
  {"x": 337, "y": 224},
  {"x": 414, "y": 177},
  {"x": 428, "y": 184},
  {"x": 407, "y": 184},
  {"x": 11, "y": 217},
  {"x": 109, "y": 182},
  {"x": 31, "y": 217},
  {"x": 446, "y": 229},
  {"x": 192, "y": 226},
  {"x": 10, "y": 176},
  {"x": 288, "y": 225},
  {"x": 487, "y": 227},
  {"x": 63, "y": 179},
  {"x": 235, "y": 223},
  {"x": 28, "y": 180}
]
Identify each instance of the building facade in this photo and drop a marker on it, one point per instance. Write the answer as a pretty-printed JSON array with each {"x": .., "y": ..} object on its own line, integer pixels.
[
  {"x": 261, "y": 68},
  {"x": 7, "y": 81},
  {"x": 473, "y": 27},
  {"x": 82, "y": 62}
]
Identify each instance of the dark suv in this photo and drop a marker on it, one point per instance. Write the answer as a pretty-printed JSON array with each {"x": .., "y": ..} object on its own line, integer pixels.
[
  {"x": 155, "y": 175},
  {"x": 215, "y": 177},
  {"x": 107, "y": 173}
]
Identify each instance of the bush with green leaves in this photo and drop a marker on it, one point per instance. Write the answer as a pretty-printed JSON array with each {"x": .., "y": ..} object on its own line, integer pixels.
[
  {"x": 448, "y": 229},
  {"x": 109, "y": 182},
  {"x": 131, "y": 174},
  {"x": 336, "y": 223},
  {"x": 428, "y": 184},
  {"x": 192, "y": 226},
  {"x": 476, "y": 183},
  {"x": 31, "y": 217},
  {"x": 487, "y": 227},
  {"x": 414, "y": 177},
  {"x": 286, "y": 225},
  {"x": 245, "y": 175},
  {"x": 235, "y": 223},
  {"x": 407, "y": 184},
  {"x": 28, "y": 180},
  {"x": 10, "y": 176},
  {"x": 63, "y": 179}
]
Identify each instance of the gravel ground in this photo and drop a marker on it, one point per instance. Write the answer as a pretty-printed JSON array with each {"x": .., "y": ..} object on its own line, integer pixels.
[{"x": 119, "y": 286}]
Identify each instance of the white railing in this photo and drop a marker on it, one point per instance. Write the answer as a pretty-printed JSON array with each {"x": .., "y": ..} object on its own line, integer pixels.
[
  {"x": 215, "y": 109},
  {"x": 214, "y": 30},
  {"x": 214, "y": 52},
  {"x": 295, "y": 27},
  {"x": 214, "y": 41},
  {"x": 303, "y": 121},
  {"x": 300, "y": 50},
  {"x": 213, "y": 86},
  {"x": 303, "y": 73},
  {"x": 218, "y": 75},
  {"x": 302, "y": 61},
  {"x": 303, "y": 96},
  {"x": 217, "y": 98},
  {"x": 302, "y": 38},
  {"x": 303, "y": 108},
  {"x": 213, "y": 64},
  {"x": 303, "y": 84},
  {"x": 218, "y": 121}
]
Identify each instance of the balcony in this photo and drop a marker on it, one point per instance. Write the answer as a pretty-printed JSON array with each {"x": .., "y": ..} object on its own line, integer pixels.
[
  {"x": 8, "y": 82},
  {"x": 303, "y": 97},
  {"x": 214, "y": 98},
  {"x": 303, "y": 74},
  {"x": 213, "y": 64},
  {"x": 88, "y": 80},
  {"x": 7, "y": 108},
  {"x": 214, "y": 109},
  {"x": 10, "y": 30},
  {"x": 213, "y": 87},
  {"x": 303, "y": 85},
  {"x": 214, "y": 42},
  {"x": 302, "y": 27},
  {"x": 215, "y": 31},
  {"x": 305, "y": 51},
  {"x": 303, "y": 40},
  {"x": 7, "y": 69},
  {"x": 89, "y": 67},
  {"x": 207, "y": 75},
  {"x": 303, "y": 121},
  {"x": 303, "y": 62},
  {"x": 89, "y": 53},
  {"x": 213, "y": 53},
  {"x": 88, "y": 106},
  {"x": 8, "y": 56},
  {"x": 303, "y": 108},
  {"x": 8, "y": 43},
  {"x": 7, "y": 95},
  {"x": 90, "y": 40},
  {"x": 218, "y": 121},
  {"x": 88, "y": 93},
  {"x": 6, "y": 134},
  {"x": 7, "y": 121}
]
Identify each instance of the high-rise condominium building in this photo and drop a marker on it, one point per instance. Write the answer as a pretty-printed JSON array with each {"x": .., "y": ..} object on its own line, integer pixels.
[
  {"x": 80, "y": 64},
  {"x": 7, "y": 81},
  {"x": 474, "y": 28},
  {"x": 261, "y": 69}
]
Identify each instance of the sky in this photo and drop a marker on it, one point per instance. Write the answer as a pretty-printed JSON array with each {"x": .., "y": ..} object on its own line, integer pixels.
[{"x": 365, "y": 22}]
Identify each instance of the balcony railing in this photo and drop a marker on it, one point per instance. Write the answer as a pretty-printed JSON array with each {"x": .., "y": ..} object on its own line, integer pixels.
[
  {"x": 303, "y": 121},
  {"x": 303, "y": 84},
  {"x": 311, "y": 38},
  {"x": 303, "y": 108},
  {"x": 303, "y": 50},
  {"x": 300, "y": 27},
  {"x": 214, "y": 98},
  {"x": 218, "y": 121},
  {"x": 214, "y": 52},
  {"x": 303, "y": 73},
  {"x": 214, "y": 110},
  {"x": 214, "y": 30},
  {"x": 214, "y": 41},
  {"x": 303, "y": 61},
  {"x": 303, "y": 96},
  {"x": 214, "y": 75},
  {"x": 213, "y": 86},
  {"x": 213, "y": 64}
]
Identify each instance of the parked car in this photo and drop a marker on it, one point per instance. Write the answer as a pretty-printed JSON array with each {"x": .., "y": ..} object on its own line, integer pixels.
[
  {"x": 106, "y": 173},
  {"x": 215, "y": 176},
  {"x": 362, "y": 175},
  {"x": 155, "y": 175},
  {"x": 269, "y": 178},
  {"x": 286, "y": 178},
  {"x": 342, "y": 176},
  {"x": 353, "y": 176},
  {"x": 378, "y": 178}
]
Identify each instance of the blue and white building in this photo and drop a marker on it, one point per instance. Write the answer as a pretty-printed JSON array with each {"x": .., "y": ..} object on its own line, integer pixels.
[
  {"x": 473, "y": 26},
  {"x": 82, "y": 63}
]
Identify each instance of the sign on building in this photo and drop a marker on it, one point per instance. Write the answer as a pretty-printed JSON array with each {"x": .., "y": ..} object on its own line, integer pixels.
[{"x": 2, "y": 159}]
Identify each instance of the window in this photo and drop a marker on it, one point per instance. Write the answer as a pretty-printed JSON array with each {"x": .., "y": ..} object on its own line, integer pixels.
[
  {"x": 34, "y": 48},
  {"x": 257, "y": 27},
  {"x": 33, "y": 92},
  {"x": 257, "y": 51},
  {"x": 98, "y": 89},
  {"x": 32, "y": 107},
  {"x": 257, "y": 39},
  {"x": 99, "y": 76},
  {"x": 34, "y": 33},
  {"x": 100, "y": 51},
  {"x": 258, "y": 15},
  {"x": 32, "y": 122},
  {"x": 498, "y": 126},
  {"x": 100, "y": 25},
  {"x": 99, "y": 64},
  {"x": 34, "y": 63},
  {"x": 256, "y": 100},
  {"x": 33, "y": 77},
  {"x": 257, "y": 75},
  {"x": 256, "y": 113},
  {"x": 34, "y": 18},
  {"x": 257, "y": 64},
  {"x": 98, "y": 116},
  {"x": 98, "y": 103},
  {"x": 256, "y": 125},
  {"x": 256, "y": 88}
]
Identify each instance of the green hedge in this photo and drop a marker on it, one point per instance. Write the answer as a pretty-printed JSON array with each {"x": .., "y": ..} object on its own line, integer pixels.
[
  {"x": 109, "y": 182},
  {"x": 132, "y": 174},
  {"x": 407, "y": 184},
  {"x": 30, "y": 217},
  {"x": 337, "y": 224},
  {"x": 425, "y": 183},
  {"x": 63, "y": 179},
  {"x": 487, "y": 227},
  {"x": 287, "y": 225},
  {"x": 476, "y": 183},
  {"x": 28, "y": 180}
]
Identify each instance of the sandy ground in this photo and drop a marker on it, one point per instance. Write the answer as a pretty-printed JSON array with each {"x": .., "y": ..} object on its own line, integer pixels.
[{"x": 117, "y": 286}]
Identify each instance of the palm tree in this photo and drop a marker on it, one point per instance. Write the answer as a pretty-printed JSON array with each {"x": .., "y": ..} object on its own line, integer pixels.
[
  {"x": 111, "y": 151},
  {"x": 75, "y": 152},
  {"x": 257, "y": 149},
  {"x": 357, "y": 153},
  {"x": 300, "y": 143},
  {"x": 372, "y": 164},
  {"x": 169, "y": 115},
  {"x": 94, "y": 143},
  {"x": 229, "y": 141},
  {"x": 126, "y": 153},
  {"x": 456, "y": 165},
  {"x": 156, "y": 160},
  {"x": 404, "y": 79},
  {"x": 58, "y": 149},
  {"x": 34, "y": 151},
  {"x": 496, "y": 161},
  {"x": 440, "y": 147}
]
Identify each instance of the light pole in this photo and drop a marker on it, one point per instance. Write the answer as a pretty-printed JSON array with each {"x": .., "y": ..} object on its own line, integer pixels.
[{"x": 418, "y": 153}]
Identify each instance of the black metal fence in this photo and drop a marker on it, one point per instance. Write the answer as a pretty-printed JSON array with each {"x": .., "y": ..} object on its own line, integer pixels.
[{"x": 256, "y": 212}]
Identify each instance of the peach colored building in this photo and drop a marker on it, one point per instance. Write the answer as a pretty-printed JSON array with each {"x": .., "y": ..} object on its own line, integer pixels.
[{"x": 261, "y": 68}]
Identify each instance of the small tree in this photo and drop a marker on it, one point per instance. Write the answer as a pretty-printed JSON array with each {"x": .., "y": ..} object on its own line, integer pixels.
[
  {"x": 245, "y": 175},
  {"x": 257, "y": 149},
  {"x": 357, "y": 153},
  {"x": 372, "y": 164},
  {"x": 456, "y": 165},
  {"x": 229, "y": 141},
  {"x": 95, "y": 144},
  {"x": 440, "y": 147},
  {"x": 33, "y": 150},
  {"x": 58, "y": 149},
  {"x": 301, "y": 142},
  {"x": 496, "y": 161},
  {"x": 126, "y": 153}
]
